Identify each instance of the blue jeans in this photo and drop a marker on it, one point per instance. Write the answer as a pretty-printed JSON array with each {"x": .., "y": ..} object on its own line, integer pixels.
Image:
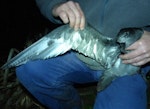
[{"x": 51, "y": 82}]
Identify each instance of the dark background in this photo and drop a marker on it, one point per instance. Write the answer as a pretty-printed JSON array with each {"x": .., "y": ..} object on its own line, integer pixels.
[{"x": 20, "y": 21}]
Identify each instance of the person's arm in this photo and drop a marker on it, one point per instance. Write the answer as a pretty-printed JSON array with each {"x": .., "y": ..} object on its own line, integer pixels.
[
  {"x": 140, "y": 51},
  {"x": 62, "y": 11}
]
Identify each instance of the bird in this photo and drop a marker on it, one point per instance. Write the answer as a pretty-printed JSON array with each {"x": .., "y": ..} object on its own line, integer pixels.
[{"x": 89, "y": 42}]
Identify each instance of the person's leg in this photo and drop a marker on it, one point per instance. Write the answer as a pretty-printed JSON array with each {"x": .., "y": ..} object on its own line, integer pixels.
[
  {"x": 128, "y": 92},
  {"x": 51, "y": 81}
]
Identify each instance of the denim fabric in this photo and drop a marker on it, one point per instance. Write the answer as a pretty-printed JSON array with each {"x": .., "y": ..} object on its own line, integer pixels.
[{"x": 51, "y": 82}]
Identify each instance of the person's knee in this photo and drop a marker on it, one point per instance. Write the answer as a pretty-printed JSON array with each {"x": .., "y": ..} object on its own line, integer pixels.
[
  {"x": 25, "y": 70},
  {"x": 24, "y": 75},
  {"x": 38, "y": 75},
  {"x": 29, "y": 74}
]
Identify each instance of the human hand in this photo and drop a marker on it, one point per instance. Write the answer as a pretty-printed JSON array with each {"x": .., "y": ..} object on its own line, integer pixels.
[
  {"x": 140, "y": 51},
  {"x": 70, "y": 12}
]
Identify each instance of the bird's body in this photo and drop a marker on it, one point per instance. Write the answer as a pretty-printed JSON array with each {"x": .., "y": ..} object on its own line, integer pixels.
[{"x": 88, "y": 42}]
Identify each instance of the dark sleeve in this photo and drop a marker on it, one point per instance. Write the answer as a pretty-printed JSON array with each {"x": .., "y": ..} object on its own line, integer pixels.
[
  {"x": 46, "y": 7},
  {"x": 125, "y": 14}
]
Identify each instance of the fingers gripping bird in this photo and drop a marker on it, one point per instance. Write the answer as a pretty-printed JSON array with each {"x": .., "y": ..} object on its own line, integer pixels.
[{"x": 89, "y": 42}]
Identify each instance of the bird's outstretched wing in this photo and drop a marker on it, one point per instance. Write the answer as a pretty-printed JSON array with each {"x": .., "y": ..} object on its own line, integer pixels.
[
  {"x": 50, "y": 45},
  {"x": 42, "y": 49},
  {"x": 89, "y": 42}
]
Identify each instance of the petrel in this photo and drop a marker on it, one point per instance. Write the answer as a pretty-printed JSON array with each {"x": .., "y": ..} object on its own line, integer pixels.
[{"x": 88, "y": 42}]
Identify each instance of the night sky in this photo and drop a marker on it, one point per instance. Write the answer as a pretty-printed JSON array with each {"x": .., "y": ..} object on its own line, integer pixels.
[{"x": 20, "y": 20}]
